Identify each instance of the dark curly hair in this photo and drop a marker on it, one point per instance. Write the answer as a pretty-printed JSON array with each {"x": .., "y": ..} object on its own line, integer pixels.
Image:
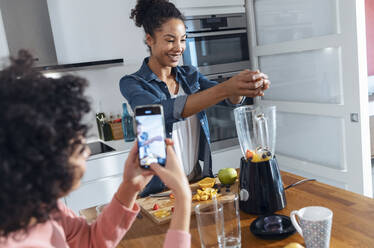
[
  {"x": 40, "y": 125},
  {"x": 151, "y": 14}
]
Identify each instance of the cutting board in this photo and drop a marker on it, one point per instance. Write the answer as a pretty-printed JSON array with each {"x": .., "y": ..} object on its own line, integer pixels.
[{"x": 166, "y": 203}]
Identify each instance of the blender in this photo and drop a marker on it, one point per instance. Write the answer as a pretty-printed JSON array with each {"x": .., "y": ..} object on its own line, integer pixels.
[{"x": 261, "y": 188}]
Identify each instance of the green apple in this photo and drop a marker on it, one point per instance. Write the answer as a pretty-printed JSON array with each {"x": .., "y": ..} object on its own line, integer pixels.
[{"x": 227, "y": 176}]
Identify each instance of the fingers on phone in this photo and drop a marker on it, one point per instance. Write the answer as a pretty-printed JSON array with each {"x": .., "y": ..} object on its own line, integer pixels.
[{"x": 169, "y": 142}]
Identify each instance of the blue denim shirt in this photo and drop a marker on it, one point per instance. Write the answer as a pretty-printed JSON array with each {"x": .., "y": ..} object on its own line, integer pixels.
[{"x": 144, "y": 87}]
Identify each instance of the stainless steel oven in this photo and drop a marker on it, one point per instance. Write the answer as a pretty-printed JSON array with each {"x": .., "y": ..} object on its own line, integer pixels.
[
  {"x": 217, "y": 43},
  {"x": 221, "y": 119}
]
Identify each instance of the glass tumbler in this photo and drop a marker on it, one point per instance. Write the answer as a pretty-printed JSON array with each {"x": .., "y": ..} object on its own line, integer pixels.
[
  {"x": 231, "y": 216},
  {"x": 210, "y": 223}
]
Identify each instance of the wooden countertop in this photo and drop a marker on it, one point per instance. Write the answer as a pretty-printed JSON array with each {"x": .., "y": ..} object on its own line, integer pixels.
[{"x": 353, "y": 220}]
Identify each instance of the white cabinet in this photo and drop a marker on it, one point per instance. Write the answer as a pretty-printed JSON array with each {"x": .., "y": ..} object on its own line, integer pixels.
[
  {"x": 207, "y": 3},
  {"x": 318, "y": 71},
  {"x": 210, "y": 7},
  {"x": 90, "y": 30},
  {"x": 226, "y": 158},
  {"x": 100, "y": 182}
]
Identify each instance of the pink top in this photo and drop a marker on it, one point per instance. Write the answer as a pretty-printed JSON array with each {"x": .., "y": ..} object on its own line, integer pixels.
[{"x": 68, "y": 230}]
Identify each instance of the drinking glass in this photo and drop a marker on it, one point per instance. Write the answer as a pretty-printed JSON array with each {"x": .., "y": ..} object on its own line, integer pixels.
[
  {"x": 231, "y": 215},
  {"x": 209, "y": 217}
]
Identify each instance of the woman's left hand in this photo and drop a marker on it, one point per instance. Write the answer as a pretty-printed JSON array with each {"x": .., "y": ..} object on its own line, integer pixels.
[
  {"x": 134, "y": 179},
  {"x": 134, "y": 176}
]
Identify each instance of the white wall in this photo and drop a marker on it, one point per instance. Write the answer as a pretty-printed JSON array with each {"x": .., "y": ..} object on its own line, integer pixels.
[
  {"x": 103, "y": 90},
  {"x": 113, "y": 35}
]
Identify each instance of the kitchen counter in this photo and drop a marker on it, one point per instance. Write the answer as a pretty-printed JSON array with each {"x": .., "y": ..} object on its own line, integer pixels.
[
  {"x": 352, "y": 221},
  {"x": 119, "y": 146}
]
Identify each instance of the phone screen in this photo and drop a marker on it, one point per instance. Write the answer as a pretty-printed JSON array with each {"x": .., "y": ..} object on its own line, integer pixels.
[{"x": 151, "y": 135}]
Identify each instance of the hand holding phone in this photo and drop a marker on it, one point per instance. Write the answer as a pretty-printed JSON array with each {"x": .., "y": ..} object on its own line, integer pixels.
[{"x": 150, "y": 132}]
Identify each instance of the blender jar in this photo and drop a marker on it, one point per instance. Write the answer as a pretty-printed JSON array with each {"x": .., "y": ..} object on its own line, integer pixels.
[{"x": 256, "y": 128}]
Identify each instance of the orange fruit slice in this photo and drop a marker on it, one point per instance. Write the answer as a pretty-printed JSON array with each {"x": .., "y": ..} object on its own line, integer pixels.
[{"x": 207, "y": 182}]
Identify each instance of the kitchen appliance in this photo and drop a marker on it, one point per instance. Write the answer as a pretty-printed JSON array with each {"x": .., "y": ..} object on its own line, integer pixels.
[
  {"x": 260, "y": 183},
  {"x": 221, "y": 119},
  {"x": 218, "y": 46},
  {"x": 98, "y": 147},
  {"x": 217, "y": 43}
]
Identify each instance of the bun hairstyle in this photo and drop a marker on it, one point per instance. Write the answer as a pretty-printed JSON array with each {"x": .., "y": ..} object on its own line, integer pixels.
[{"x": 151, "y": 14}]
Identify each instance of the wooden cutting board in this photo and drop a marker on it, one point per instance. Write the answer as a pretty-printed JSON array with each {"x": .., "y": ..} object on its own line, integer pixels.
[{"x": 166, "y": 203}]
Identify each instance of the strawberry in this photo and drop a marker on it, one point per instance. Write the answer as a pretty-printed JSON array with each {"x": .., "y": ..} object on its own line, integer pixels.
[{"x": 155, "y": 207}]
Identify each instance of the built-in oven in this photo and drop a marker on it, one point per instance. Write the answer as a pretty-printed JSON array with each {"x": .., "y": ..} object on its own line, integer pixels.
[
  {"x": 221, "y": 119},
  {"x": 217, "y": 43},
  {"x": 218, "y": 46}
]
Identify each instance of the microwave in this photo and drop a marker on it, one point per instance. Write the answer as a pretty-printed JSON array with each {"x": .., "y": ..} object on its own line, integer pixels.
[{"x": 217, "y": 43}]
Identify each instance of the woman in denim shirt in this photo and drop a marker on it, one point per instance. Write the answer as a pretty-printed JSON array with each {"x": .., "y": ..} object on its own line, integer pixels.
[{"x": 183, "y": 91}]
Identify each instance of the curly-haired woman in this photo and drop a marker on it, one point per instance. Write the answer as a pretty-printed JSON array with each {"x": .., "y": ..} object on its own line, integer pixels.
[
  {"x": 43, "y": 156},
  {"x": 182, "y": 90}
]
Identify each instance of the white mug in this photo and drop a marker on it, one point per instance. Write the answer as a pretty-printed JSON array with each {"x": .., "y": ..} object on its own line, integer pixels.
[{"x": 314, "y": 225}]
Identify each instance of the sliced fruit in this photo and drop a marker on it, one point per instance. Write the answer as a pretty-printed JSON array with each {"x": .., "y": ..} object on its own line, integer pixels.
[
  {"x": 206, "y": 194},
  {"x": 155, "y": 207},
  {"x": 207, "y": 182},
  {"x": 294, "y": 245},
  {"x": 248, "y": 154},
  {"x": 204, "y": 197},
  {"x": 196, "y": 197},
  {"x": 161, "y": 213}
]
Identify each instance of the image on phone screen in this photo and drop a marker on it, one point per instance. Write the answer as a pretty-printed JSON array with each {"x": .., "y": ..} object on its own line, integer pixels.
[{"x": 151, "y": 139}]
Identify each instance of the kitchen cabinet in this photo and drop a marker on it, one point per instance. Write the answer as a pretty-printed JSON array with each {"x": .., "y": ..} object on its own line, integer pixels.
[
  {"x": 209, "y": 7},
  {"x": 207, "y": 3},
  {"x": 372, "y": 137},
  {"x": 91, "y": 30},
  {"x": 226, "y": 158},
  {"x": 99, "y": 183},
  {"x": 104, "y": 175},
  {"x": 317, "y": 67}
]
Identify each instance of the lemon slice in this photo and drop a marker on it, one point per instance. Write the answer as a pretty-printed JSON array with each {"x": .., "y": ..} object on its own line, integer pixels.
[{"x": 207, "y": 182}]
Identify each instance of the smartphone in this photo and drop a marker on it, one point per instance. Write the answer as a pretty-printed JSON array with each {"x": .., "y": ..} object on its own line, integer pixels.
[{"x": 150, "y": 133}]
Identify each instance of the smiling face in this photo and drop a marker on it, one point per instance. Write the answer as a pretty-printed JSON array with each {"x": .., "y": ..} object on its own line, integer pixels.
[{"x": 168, "y": 43}]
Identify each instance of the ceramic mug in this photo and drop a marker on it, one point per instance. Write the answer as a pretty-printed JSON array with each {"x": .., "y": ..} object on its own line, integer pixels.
[{"x": 314, "y": 225}]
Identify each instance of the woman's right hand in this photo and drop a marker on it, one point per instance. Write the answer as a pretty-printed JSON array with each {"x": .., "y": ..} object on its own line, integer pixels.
[
  {"x": 172, "y": 174},
  {"x": 247, "y": 83}
]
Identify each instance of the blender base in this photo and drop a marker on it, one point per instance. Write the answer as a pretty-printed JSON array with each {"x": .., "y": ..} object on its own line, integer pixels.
[{"x": 261, "y": 187}]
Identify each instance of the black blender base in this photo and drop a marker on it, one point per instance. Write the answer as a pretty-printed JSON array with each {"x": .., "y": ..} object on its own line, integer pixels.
[{"x": 261, "y": 187}]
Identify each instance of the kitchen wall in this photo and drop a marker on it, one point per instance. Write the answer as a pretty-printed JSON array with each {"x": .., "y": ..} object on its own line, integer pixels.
[
  {"x": 110, "y": 35},
  {"x": 103, "y": 89}
]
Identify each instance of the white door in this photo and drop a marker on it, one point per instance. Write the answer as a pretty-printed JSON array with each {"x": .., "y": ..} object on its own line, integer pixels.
[{"x": 315, "y": 55}]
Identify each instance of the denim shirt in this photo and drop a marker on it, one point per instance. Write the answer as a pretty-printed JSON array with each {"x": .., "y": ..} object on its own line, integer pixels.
[{"x": 144, "y": 87}]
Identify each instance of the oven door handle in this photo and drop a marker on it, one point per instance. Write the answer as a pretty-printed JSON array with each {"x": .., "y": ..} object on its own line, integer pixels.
[{"x": 204, "y": 34}]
